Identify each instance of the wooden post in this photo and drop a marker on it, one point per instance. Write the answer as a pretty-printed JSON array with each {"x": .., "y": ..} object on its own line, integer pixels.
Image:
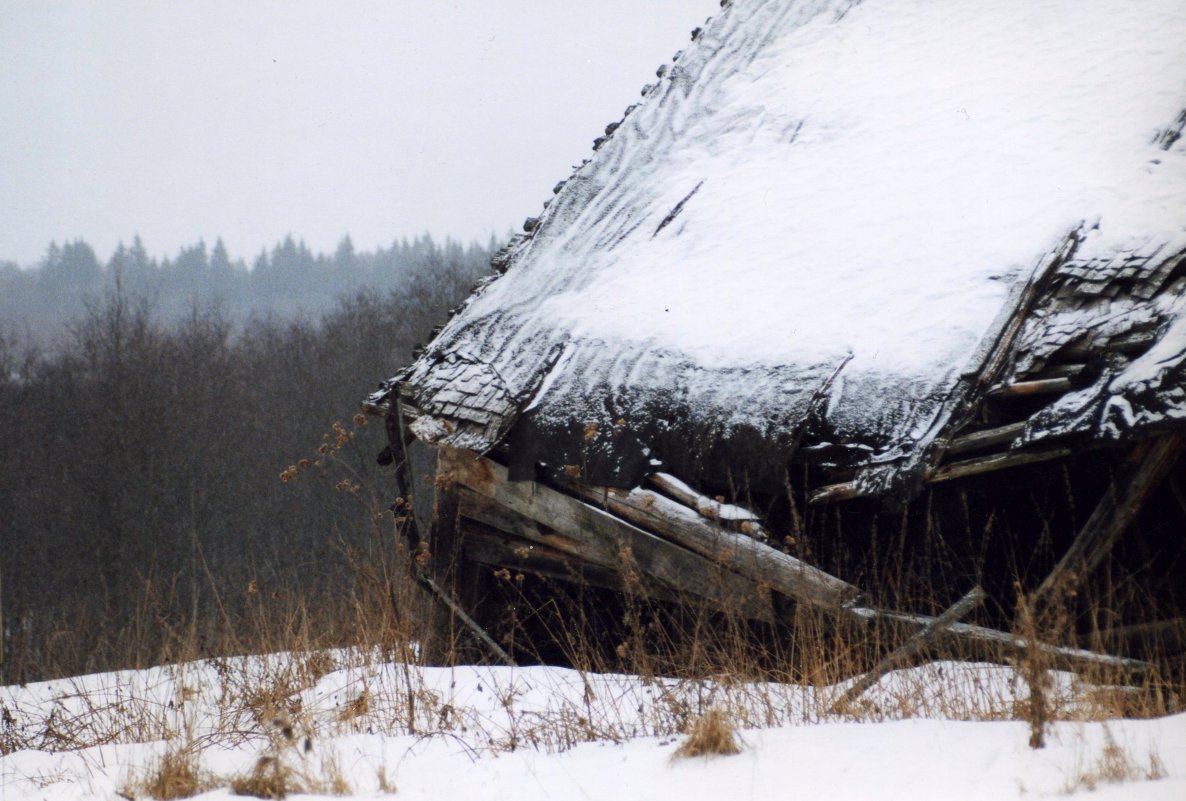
[
  {"x": 435, "y": 508},
  {"x": 924, "y": 635},
  {"x": 1113, "y": 515}
]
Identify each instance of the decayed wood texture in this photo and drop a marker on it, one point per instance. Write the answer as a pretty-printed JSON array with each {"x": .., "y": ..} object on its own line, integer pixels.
[
  {"x": 584, "y": 529},
  {"x": 456, "y": 609},
  {"x": 1041, "y": 386},
  {"x": 969, "y": 467},
  {"x": 1112, "y": 516},
  {"x": 731, "y": 515},
  {"x": 985, "y": 438},
  {"x": 635, "y": 551},
  {"x": 1002, "y": 644},
  {"x": 739, "y": 553},
  {"x": 923, "y": 636}
]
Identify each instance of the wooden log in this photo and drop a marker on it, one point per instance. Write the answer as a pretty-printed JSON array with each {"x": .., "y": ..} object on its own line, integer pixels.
[
  {"x": 739, "y": 553},
  {"x": 849, "y": 490},
  {"x": 1041, "y": 386},
  {"x": 984, "y": 439},
  {"x": 1002, "y": 643},
  {"x": 707, "y": 507},
  {"x": 637, "y": 553},
  {"x": 920, "y": 638},
  {"x": 1116, "y": 510},
  {"x": 993, "y": 462},
  {"x": 445, "y": 598}
]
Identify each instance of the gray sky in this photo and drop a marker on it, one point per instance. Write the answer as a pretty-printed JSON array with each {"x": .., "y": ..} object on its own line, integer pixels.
[{"x": 250, "y": 120}]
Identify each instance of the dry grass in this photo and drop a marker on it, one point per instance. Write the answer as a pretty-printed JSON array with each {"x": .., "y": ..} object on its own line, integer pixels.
[
  {"x": 177, "y": 775},
  {"x": 711, "y": 734},
  {"x": 1114, "y": 765}
]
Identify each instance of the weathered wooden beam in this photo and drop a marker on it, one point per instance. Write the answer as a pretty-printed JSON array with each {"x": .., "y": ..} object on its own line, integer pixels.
[
  {"x": 637, "y": 553},
  {"x": 1003, "y": 643},
  {"x": 497, "y": 550},
  {"x": 705, "y": 506},
  {"x": 849, "y": 490},
  {"x": 691, "y": 573},
  {"x": 920, "y": 638},
  {"x": 475, "y": 506},
  {"x": 992, "y": 463},
  {"x": 1041, "y": 386},
  {"x": 446, "y": 599},
  {"x": 1157, "y": 637},
  {"x": 984, "y": 439},
  {"x": 739, "y": 553},
  {"x": 1114, "y": 513}
]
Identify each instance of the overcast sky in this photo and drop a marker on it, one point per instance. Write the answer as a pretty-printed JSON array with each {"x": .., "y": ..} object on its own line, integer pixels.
[{"x": 251, "y": 120}]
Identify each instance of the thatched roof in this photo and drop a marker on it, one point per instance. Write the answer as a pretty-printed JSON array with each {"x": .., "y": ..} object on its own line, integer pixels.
[{"x": 834, "y": 232}]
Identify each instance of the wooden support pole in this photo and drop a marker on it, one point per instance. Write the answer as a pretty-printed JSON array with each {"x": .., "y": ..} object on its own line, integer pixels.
[
  {"x": 456, "y": 609},
  {"x": 1113, "y": 514},
  {"x": 923, "y": 636}
]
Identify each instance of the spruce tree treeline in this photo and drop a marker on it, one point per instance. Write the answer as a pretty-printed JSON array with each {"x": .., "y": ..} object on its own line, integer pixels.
[
  {"x": 140, "y": 478},
  {"x": 287, "y": 280}
]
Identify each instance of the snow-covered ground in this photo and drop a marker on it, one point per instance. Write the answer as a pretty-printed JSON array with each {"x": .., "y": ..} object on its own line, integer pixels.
[{"x": 348, "y": 724}]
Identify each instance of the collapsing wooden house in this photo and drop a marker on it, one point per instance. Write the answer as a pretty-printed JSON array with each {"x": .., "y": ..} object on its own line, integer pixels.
[{"x": 839, "y": 254}]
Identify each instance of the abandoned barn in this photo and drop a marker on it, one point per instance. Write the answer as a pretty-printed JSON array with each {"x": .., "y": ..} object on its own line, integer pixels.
[{"x": 842, "y": 315}]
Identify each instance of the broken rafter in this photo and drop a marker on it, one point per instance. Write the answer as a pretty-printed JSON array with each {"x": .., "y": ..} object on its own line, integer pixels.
[
  {"x": 1061, "y": 656},
  {"x": 1041, "y": 386},
  {"x": 1116, "y": 510},
  {"x": 925, "y": 634},
  {"x": 689, "y": 556},
  {"x": 985, "y": 438},
  {"x": 730, "y": 514},
  {"x": 969, "y": 467}
]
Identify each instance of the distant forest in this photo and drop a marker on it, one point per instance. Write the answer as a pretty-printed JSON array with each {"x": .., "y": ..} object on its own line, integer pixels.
[
  {"x": 39, "y": 303},
  {"x": 141, "y": 492}
]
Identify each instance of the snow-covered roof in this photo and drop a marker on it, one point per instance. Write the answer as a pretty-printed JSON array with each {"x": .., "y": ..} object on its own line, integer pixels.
[{"x": 819, "y": 230}]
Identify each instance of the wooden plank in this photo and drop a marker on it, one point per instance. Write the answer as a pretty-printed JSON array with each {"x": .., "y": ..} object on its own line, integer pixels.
[
  {"x": 924, "y": 635},
  {"x": 1041, "y": 386},
  {"x": 497, "y": 550},
  {"x": 984, "y": 439},
  {"x": 1004, "y": 644},
  {"x": 739, "y": 553},
  {"x": 488, "y": 512},
  {"x": 1113, "y": 514},
  {"x": 456, "y": 609},
  {"x": 637, "y": 553},
  {"x": 849, "y": 490},
  {"x": 705, "y": 506},
  {"x": 994, "y": 462}
]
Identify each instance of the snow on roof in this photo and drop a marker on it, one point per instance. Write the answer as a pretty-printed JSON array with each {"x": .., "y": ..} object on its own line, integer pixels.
[{"x": 819, "y": 212}]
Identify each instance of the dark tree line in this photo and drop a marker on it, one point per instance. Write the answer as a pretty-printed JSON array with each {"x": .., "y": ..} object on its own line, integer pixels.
[
  {"x": 140, "y": 471},
  {"x": 287, "y": 280}
]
